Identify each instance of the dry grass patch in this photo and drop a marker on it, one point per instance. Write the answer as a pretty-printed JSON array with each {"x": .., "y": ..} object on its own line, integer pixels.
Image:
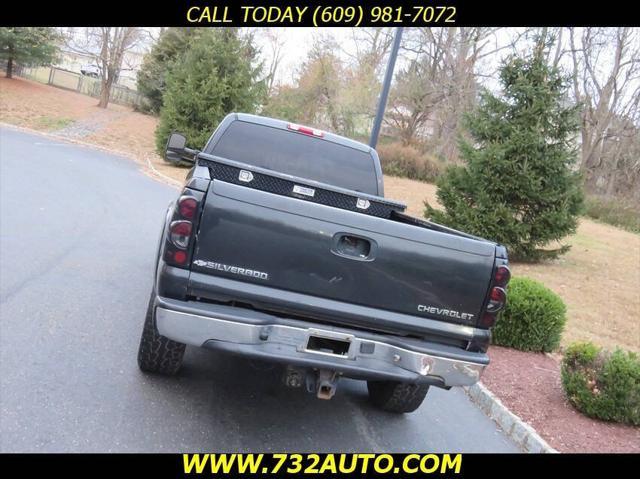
[
  {"x": 41, "y": 107},
  {"x": 599, "y": 279},
  {"x": 412, "y": 193}
]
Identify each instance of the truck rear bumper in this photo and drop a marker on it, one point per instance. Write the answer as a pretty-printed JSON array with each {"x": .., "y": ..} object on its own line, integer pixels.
[{"x": 364, "y": 356}]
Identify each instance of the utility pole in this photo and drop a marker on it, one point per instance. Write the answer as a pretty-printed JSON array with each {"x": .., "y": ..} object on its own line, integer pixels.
[{"x": 386, "y": 83}]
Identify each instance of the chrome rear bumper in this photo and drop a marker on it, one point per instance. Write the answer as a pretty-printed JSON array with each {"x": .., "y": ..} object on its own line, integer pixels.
[{"x": 369, "y": 357}]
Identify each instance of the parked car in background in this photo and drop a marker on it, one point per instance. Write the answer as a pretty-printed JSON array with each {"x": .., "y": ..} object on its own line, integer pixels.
[{"x": 92, "y": 71}]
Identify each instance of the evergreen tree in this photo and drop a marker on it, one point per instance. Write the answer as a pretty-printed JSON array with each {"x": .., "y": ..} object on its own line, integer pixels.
[
  {"x": 28, "y": 46},
  {"x": 518, "y": 186},
  {"x": 216, "y": 75},
  {"x": 172, "y": 43}
]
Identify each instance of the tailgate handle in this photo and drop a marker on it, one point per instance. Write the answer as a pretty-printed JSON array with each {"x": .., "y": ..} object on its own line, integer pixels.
[{"x": 354, "y": 247}]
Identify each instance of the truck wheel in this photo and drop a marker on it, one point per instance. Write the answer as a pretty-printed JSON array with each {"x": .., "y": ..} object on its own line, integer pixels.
[
  {"x": 395, "y": 396},
  {"x": 158, "y": 354}
]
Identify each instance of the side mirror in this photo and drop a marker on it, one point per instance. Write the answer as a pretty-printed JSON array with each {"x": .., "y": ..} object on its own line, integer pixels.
[{"x": 176, "y": 148}]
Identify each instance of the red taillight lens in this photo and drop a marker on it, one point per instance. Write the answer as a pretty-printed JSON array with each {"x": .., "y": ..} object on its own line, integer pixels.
[
  {"x": 498, "y": 295},
  {"x": 305, "y": 130},
  {"x": 187, "y": 206},
  {"x": 497, "y": 299},
  {"x": 502, "y": 276},
  {"x": 488, "y": 320},
  {"x": 180, "y": 257},
  {"x": 180, "y": 233}
]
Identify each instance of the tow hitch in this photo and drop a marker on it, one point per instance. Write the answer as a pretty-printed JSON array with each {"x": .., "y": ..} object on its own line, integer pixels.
[
  {"x": 323, "y": 383},
  {"x": 326, "y": 384}
]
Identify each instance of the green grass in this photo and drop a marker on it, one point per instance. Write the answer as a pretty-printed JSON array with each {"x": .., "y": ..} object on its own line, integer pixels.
[
  {"x": 615, "y": 212},
  {"x": 52, "y": 123}
]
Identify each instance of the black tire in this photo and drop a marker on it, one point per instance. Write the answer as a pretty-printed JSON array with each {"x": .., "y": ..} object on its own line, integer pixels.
[
  {"x": 395, "y": 396},
  {"x": 158, "y": 354}
]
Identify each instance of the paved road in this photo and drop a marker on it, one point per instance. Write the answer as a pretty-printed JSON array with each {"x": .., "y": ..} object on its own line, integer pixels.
[{"x": 78, "y": 231}]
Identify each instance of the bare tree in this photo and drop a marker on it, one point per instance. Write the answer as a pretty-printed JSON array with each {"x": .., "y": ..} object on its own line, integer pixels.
[
  {"x": 460, "y": 59},
  {"x": 372, "y": 44},
  {"x": 275, "y": 42},
  {"x": 606, "y": 81},
  {"x": 553, "y": 40},
  {"x": 439, "y": 83},
  {"x": 107, "y": 47}
]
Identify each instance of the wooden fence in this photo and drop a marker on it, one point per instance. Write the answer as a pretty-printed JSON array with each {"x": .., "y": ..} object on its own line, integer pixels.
[{"x": 81, "y": 83}]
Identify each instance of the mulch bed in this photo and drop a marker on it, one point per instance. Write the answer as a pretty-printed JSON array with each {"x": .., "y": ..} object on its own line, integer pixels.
[{"x": 529, "y": 385}]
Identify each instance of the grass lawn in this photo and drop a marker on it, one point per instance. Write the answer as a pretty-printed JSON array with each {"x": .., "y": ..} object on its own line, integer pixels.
[
  {"x": 599, "y": 278},
  {"x": 52, "y": 123}
]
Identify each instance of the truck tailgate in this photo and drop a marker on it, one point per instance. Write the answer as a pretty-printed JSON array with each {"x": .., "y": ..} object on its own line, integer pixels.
[{"x": 295, "y": 245}]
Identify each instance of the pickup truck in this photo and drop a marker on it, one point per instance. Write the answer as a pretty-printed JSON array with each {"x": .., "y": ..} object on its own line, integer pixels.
[{"x": 281, "y": 247}]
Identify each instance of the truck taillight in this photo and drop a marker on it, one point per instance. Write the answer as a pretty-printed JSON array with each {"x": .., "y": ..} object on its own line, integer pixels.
[
  {"x": 497, "y": 296},
  {"x": 187, "y": 206},
  {"x": 488, "y": 320},
  {"x": 181, "y": 230},
  {"x": 180, "y": 233},
  {"x": 497, "y": 299},
  {"x": 502, "y": 276}
]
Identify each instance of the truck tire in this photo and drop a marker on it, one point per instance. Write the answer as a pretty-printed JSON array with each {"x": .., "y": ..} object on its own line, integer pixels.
[
  {"x": 393, "y": 396},
  {"x": 158, "y": 354}
]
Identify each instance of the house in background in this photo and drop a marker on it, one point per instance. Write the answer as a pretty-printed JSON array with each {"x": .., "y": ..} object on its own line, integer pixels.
[{"x": 75, "y": 62}]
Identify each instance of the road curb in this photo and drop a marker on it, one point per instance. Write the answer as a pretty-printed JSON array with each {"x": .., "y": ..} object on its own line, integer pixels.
[
  {"x": 161, "y": 175},
  {"x": 515, "y": 428}
]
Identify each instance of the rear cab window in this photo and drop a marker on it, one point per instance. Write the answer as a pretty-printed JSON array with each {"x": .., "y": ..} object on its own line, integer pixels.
[{"x": 299, "y": 155}]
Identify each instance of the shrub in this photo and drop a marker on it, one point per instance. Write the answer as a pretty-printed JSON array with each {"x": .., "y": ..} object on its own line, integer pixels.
[
  {"x": 406, "y": 161},
  {"x": 533, "y": 318},
  {"x": 602, "y": 384},
  {"x": 518, "y": 186},
  {"x": 616, "y": 212}
]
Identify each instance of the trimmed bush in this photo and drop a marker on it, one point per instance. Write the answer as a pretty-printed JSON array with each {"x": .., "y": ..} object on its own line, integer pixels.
[
  {"x": 602, "y": 384},
  {"x": 406, "y": 161},
  {"x": 533, "y": 318}
]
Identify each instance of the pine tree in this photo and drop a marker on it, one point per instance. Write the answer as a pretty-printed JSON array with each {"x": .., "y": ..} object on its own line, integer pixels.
[
  {"x": 169, "y": 48},
  {"x": 28, "y": 46},
  {"x": 518, "y": 186},
  {"x": 216, "y": 75}
]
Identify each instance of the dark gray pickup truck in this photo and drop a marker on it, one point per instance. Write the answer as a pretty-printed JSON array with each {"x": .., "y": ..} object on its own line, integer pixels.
[{"x": 281, "y": 247}]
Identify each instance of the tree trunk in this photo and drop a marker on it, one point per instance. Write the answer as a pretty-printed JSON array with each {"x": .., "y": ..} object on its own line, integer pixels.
[
  {"x": 105, "y": 92},
  {"x": 10, "y": 68}
]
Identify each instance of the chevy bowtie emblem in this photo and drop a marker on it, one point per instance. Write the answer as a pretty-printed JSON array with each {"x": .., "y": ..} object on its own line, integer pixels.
[
  {"x": 362, "y": 204},
  {"x": 245, "y": 176}
]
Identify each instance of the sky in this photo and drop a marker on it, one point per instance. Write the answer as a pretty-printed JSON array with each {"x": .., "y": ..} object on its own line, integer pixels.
[{"x": 297, "y": 42}]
